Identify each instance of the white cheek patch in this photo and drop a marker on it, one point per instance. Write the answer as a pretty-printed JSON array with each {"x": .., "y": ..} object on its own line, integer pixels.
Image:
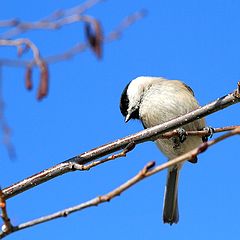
[
  {"x": 134, "y": 93},
  {"x": 137, "y": 88}
]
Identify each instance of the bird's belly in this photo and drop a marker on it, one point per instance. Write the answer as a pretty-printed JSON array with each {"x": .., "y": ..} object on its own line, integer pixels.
[{"x": 172, "y": 149}]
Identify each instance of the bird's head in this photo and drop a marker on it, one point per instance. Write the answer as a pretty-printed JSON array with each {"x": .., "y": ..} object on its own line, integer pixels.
[{"x": 132, "y": 96}]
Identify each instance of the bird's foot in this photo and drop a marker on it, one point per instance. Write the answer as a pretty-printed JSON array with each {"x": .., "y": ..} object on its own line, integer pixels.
[
  {"x": 180, "y": 138},
  {"x": 209, "y": 135},
  {"x": 182, "y": 135}
]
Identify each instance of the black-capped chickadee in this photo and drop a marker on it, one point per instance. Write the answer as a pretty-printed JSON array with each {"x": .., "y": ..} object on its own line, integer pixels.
[{"x": 155, "y": 100}]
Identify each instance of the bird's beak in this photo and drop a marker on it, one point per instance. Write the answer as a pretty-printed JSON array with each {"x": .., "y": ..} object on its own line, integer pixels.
[{"x": 127, "y": 118}]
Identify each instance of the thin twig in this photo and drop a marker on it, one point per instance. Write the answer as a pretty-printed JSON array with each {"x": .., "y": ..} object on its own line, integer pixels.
[
  {"x": 149, "y": 134},
  {"x": 123, "y": 153},
  {"x": 131, "y": 146},
  {"x": 193, "y": 153},
  {"x": 80, "y": 9},
  {"x": 9, "y": 23},
  {"x": 7, "y": 227},
  {"x": 37, "y": 59},
  {"x": 54, "y": 21},
  {"x": 147, "y": 171},
  {"x": 125, "y": 23},
  {"x": 112, "y": 36},
  {"x": 80, "y": 47},
  {"x": 199, "y": 133}
]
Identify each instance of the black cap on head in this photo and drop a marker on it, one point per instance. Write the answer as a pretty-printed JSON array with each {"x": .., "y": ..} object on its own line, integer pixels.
[
  {"x": 124, "y": 107},
  {"x": 124, "y": 102}
]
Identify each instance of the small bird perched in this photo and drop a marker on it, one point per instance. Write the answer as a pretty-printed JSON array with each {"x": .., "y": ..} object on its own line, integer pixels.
[{"x": 155, "y": 100}]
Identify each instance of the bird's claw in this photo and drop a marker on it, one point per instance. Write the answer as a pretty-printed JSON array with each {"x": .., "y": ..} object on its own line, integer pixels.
[
  {"x": 209, "y": 135},
  {"x": 182, "y": 135}
]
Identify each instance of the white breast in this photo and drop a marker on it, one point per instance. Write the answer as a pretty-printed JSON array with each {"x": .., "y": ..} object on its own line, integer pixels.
[{"x": 165, "y": 101}]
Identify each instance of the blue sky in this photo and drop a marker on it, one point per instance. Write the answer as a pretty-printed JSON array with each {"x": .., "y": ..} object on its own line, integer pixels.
[{"x": 194, "y": 41}]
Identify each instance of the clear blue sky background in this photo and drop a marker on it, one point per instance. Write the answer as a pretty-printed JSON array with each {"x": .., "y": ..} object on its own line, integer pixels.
[{"x": 194, "y": 41}]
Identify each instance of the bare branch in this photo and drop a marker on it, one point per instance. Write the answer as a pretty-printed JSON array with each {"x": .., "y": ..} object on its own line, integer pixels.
[
  {"x": 131, "y": 146},
  {"x": 94, "y": 36},
  {"x": 112, "y": 36},
  {"x": 80, "y": 47},
  {"x": 54, "y": 21},
  {"x": 123, "y": 153},
  {"x": 7, "y": 227},
  {"x": 149, "y": 134},
  {"x": 129, "y": 20},
  {"x": 83, "y": 7},
  {"x": 198, "y": 133},
  {"x": 43, "y": 68},
  {"x": 9, "y": 23},
  {"x": 147, "y": 171},
  {"x": 193, "y": 153}
]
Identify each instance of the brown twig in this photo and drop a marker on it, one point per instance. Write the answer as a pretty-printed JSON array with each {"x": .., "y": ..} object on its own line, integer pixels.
[
  {"x": 149, "y": 134},
  {"x": 80, "y": 47},
  {"x": 129, "y": 20},
  {"x": 199, "y": 133},
  {"x": 37, "y": 60},
  {"x": 9, "y": 23},
  {"x": 147, "y": 171},
  {"x": 123, "y": 153},
  {"x": 95, "y": 40},
  {"x": 132, "y": 145},
  {"x": 7, "y": 226},
  {"x": 192, "y": 154},
  {"x": 57, "y": 20},
  {"x": 112, "y": 36},
  {"x": 54, "y": 21}
]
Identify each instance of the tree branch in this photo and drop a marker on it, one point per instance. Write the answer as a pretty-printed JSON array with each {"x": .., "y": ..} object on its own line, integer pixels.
[
  {"x": 198, "y": 133},
  {"x": 149, "y": 134},
  {"x": 129, "y": 20},
  {"x": 123, "y": 153},
  {"x": 94, "y": 40},
  {"x": 80, "y": 47},
  {"x": 7, "y": 226},
  {"x": 22, "y": 44},
  {"x": 54, "y": 21},
  {"x": 147, "y": 171},
  {"x": 131, "y": 146}
]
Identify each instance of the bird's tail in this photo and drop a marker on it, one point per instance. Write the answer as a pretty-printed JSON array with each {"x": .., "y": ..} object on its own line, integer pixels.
[{"x": 170, "y": 207}]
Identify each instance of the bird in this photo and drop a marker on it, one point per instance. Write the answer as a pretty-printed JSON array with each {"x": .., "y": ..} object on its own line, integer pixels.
[{"x": 153, "y": 101}]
